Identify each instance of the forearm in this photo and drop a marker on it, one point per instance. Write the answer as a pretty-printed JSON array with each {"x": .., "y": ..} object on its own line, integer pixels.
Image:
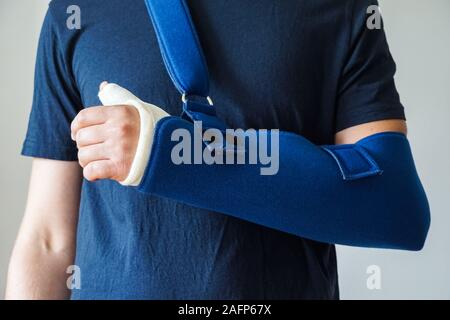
[
  {"x": 363, "y": 194},
  {"x": 46, "y": 241},
  {"x": 308, "y": 197},
  {"x": 38, "y": 272}
]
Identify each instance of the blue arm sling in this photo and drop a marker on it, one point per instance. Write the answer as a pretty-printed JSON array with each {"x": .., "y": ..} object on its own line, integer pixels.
[{"x": 364, "y": 194}]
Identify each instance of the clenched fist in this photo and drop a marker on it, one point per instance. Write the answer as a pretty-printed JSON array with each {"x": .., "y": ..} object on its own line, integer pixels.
[{"x": 114, "y": 140}]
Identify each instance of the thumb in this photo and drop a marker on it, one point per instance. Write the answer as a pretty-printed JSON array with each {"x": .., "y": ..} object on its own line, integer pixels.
[{"x": 111, "y": 94}]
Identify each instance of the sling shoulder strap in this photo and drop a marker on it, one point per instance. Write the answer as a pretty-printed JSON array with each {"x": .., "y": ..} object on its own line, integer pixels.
[
  {"x": 180, "y": 47},
  {"x": 184, "y": 59}
]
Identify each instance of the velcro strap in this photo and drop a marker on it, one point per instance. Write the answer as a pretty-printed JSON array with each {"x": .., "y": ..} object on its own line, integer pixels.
[{"x": 353, "y": 161}]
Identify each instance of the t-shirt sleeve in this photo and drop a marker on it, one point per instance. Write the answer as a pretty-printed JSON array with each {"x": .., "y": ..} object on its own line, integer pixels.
[
  {"x": 56, "y": 100},
  {"x": 367, "y": 90}
]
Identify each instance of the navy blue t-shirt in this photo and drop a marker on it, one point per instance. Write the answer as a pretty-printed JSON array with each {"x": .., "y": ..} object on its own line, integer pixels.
[{"x": 311, "y": 67}]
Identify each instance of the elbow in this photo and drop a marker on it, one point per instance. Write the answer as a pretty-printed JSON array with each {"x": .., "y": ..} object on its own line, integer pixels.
[
  {"x": 419, "y": 220},
  {"x": 406, "y": 236},
  {"x": 416, "y": 241},
  {"x": 414, "y": 227},
  {"x": 419, "y": 235}
]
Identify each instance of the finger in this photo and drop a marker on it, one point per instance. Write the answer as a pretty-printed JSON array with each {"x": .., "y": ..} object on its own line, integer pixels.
[
  {"x": 88, "y": 117},
  {"x": 112, "y": 94},
  {"x": 91, "y": 135},
  {"x": 92, "y": 153},
  {"x": 102, "y": 169}
]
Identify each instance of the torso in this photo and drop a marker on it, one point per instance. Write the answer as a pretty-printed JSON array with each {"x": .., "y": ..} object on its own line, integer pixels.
[{"x": 273, "y": 64}]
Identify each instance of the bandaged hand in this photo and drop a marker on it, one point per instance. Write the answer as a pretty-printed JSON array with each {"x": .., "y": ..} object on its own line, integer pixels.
[{"x": 114, "y": 140}]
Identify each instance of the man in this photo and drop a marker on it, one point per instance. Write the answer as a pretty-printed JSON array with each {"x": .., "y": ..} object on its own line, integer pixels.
[{"x": 309, "y": 67}]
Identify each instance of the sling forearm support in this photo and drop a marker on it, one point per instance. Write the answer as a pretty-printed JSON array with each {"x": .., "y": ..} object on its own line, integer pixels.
[{"x": 365, "y": 194}]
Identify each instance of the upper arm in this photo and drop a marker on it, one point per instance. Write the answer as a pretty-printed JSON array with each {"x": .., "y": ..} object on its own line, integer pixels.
[
  {"x": 51, "y": 212},
  {"x": 56, "y": 99},
  {"x": 354, "y": 134},
  {"x": 54, "y": 190},
  {"x": 367, "y": 101}
]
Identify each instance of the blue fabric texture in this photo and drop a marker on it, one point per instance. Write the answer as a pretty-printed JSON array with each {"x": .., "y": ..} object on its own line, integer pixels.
[
  {"x": 197, "y": 111},
  {"x": 355, "y": 217},
  {"x": 184, "y": 61},
  {"x": 308, "y": 197},
  {"x": 310, "y": 67}
]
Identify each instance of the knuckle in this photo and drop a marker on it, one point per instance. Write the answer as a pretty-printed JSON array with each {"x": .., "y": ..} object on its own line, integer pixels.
[
  {"x": 127, "y": 111},
  {"x": 119, "y": 111},
  {"x": 97, "y": 169},
  {"x": 81, "y": 158},
  {"x": 73, "y": 124},
  {"x": 88, "y": 173},
  {"x": 124, "y": 129},
  {"x": 80, "y": 135},
  {"x": 82, "y": 116},
  {"x": 121, "y": 148}
]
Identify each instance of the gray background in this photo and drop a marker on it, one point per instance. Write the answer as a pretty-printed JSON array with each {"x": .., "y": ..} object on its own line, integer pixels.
[{"x": 419, "y": 36}]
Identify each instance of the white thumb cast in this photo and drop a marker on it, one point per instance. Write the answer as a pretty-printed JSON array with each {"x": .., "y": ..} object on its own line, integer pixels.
[{"x": 112, "y": 94}]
